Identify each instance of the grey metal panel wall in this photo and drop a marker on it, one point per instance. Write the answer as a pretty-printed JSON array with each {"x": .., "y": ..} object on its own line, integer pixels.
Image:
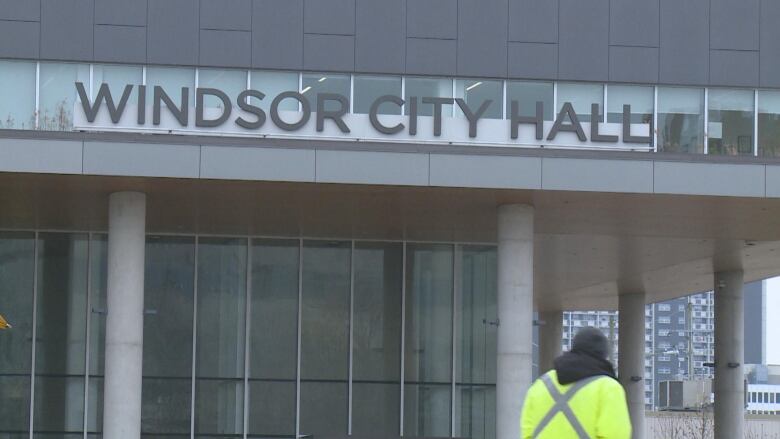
[{"x": 697, "y": 42}]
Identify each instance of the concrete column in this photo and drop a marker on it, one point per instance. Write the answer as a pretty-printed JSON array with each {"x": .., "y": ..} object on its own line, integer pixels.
[
  {"x": 729, "y": 355},
  {"x": 515, "y": 314},
  {"x": 125, "y": 319},
  {"x": 550, "y": 338},
  {"x": 631, "y": 357}
]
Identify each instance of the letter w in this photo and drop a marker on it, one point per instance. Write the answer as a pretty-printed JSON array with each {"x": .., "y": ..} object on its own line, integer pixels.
[{"x": 103, "y": 94}]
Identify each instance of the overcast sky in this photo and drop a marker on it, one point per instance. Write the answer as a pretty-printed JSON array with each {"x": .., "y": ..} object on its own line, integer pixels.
[{"x": 773, "y": 321}]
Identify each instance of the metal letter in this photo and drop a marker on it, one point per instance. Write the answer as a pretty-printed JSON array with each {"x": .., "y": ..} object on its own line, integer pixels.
[
  {"x": 335, "y": 115},
  {"x": 372, "y": 114},
  {"x": 226, "y": 110},
  {"x": 103, "y": 94},
  {"x": 473, "y": 117},
  {"x": 437, "y": 103},
  {"x": 594, "y": 127},
  {"x": 181, "y": 114},
  {"x": 627, "y": 137},
  {"x": 413, "y": 115},
  {"x": 573, "y": 127},
  {"x": 305, "y": 106},
  {"x": 243, "y": 103},
  {"x": 538, "y": 120},
  {"x": 141, "y": 104}
]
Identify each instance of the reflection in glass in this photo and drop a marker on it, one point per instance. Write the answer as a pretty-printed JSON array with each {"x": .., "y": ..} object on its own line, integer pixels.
[
  {"x": 16, "y": 303},
  {"x": 273, "y": 337},
  {"x": 168, "y": 301},
  {"x": 581, "y": 97},
  {"x": 428, "y": 344},
  {"x": 17, "y": 95},
  {"x": 769, "y": 123},
  {"x": 61, "y": 332},
  {"x": 219, "y": 404},
  {"x": 427, "y": 88},
  {"x": 58, "y": 94},
  {"x": 117, "y": 77},
  {"x": 527, "y": 93},
  {"x": 730, "y": 120},
  {"x": 377, "y": 338},
  {"x": 640, "y": 99},
  {"x": 370, "y": 88},
  {"x": 680, "y": 120},
  {"x": 325, "y": 336},
  {"x": 476, "y": 91},
  {"x": 272, "y": 84},
  {"x": 171, "y": 79},
  {"x": 475, "y": 410},
  {"x": 231, "y": 82},
  {"x": 316, "y": 83},
  {"x": 477, "y": 332}
]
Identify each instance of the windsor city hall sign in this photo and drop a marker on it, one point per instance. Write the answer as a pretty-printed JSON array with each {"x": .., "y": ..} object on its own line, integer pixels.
[{"x": 326, "y": 115}]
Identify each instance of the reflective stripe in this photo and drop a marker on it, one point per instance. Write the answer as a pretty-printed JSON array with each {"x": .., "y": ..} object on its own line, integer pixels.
[{"x": 562, "y": 405}]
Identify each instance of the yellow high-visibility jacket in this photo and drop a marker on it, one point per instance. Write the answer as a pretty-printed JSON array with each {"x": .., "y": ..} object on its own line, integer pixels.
[{"x": 598, "y": 405}]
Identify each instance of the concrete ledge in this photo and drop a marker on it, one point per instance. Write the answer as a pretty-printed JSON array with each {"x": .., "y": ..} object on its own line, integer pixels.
[
  {"x": 486, "y": 171},
  {"x": 372, "y": 168},
  {"x": 245, "y": 163},
  {"x": 143, "y": 160},
  {"x": 631, "y": 176},
  {"x": 710, "y": 179},
  {"x": 43, "y": 156}
]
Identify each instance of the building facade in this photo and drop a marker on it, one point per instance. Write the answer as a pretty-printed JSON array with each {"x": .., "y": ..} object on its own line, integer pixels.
[{"x": 279, "y": 218}]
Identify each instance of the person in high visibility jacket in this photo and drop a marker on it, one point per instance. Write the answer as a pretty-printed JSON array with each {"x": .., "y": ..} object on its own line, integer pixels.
[
  {"x": 580, "y": 398},
  {"x": 3, "y": 323}
]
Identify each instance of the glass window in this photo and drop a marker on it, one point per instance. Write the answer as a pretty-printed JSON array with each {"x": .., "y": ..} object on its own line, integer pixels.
[
  {"x": 16, "y": 305},
  {"x": 316, "y": 83},
  {"x": 638, "y": 97},
  {"x": 428, "y": 87},
  {"x": 475, "y": 92},
  {"x": 325, "y": 337},
  {"x": 475, "y": 408},
  {"x": 17, "y": 95},
  {"x": 168, "y": 303},
  {"x": 273, "y": 340},
  {"x": 58, "y": 94},
  {"x": 117, "y": 77},
  {"x": 98, "y": 248},
  {"x": 369, "y": 88},
  {"x": 272, "y": 84},
  {"x": 581, "y": 97},
  {"x": 219, "y": 368},
  {"x": 377, "y": 338},
  {"x": 680, "y": 120},
  {"x": 769, "y": 123},
  {"x": 527, "y": 94},
  {"x": 171, "y": 79},
  {"x": 231, "y": 82},
  {"x": 61, "y": 332},
  {"x": 730, "y": 130},
  {"x": 428, "y": 344}
]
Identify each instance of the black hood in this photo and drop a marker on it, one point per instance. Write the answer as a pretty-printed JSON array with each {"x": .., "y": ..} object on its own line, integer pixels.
[{"x": 577, "y": 365}]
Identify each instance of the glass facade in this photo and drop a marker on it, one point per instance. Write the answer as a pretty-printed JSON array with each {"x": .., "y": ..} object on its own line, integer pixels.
[
  {"x": 42, "y": 96},
  {"x": 266, "y": 337}
]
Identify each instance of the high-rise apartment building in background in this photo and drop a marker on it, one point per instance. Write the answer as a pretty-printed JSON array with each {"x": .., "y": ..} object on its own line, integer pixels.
[{"x": 679, "y": 336}]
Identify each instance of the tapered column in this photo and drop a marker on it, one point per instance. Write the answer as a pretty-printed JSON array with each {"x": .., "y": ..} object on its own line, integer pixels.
[
  {"x": 125, "y": 318},
  {"x": 515, "y": 314},
  {"x": 729, "y": 355},
  {"x": 631, "y": 357},
  {"x": 550, "y": 338}
]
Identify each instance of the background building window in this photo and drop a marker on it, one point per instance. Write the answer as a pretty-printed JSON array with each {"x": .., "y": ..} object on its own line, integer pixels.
[
  {"x": 527, "y": 93},
  {"x": 582, "y": 96},
  {"x": 370, "y": 88},
  {"x": 681, "y": 120},
  {"x": 475, "y": 92},
  {"x": 730, "y": 130},
  {"x": 17, "y": 95}
]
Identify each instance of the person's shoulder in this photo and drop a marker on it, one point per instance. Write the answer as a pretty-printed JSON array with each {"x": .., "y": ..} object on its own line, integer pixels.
[{"x": 610, "y": 384}]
